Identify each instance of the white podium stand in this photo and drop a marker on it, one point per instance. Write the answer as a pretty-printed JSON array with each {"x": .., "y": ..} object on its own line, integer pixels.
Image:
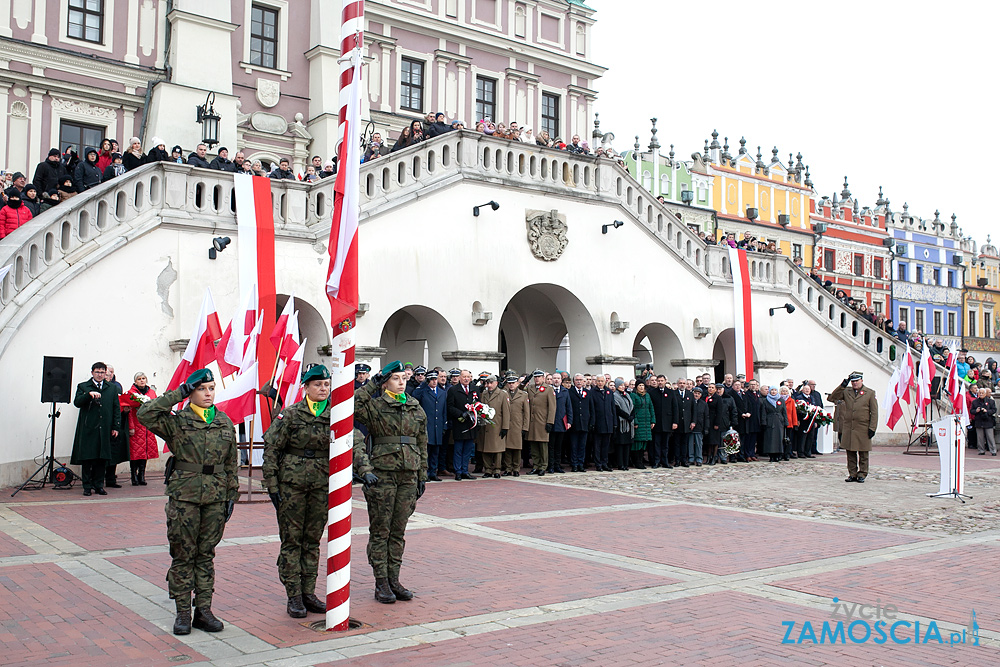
[{"x": 825, "y": 439}]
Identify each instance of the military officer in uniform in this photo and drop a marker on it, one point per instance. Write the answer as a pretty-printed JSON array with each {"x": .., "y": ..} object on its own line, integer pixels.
[
  {"x": 361, "y": 372},
  {"x": 393, "y": 468},
  {"x": 858, "y": 421},
  {"x": 520, "y": 417},
  {"x": 202, "y": 489},
  {"x": 542, "y": 403},
  {"x": 296, "y": 473}
]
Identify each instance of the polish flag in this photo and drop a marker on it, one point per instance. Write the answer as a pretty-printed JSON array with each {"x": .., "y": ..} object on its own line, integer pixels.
[
  {"x": 924, "y": 377},
  {"x": 200, "y": 351},
  {"x": 891, "y": 399},
  {"x": 250, "y": 355},
  {"x": 289, "y": 346},
  {"x": 238, "y": 400},
  {"x": 232, "y": 348},
  {"x": 961, "y": 403},
  {"x": 342, "y": 275},
  {"x": 291, "y": 386},
  {"x": 907, "y": 377},
  {"x": 743, "y": 316},
  {"x": 281, "y": 326}
]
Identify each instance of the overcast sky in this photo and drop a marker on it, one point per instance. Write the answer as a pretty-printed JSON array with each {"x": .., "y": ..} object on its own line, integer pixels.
[{"x": 902, "y": 95}]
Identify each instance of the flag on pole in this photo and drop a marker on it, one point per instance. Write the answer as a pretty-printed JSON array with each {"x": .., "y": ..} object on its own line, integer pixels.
[
  {"x": 200, "y": 351},
  {"x": 924, "y": 377},
  {"x": 891, "y": 400},
  {"x": 290, "y": 378},
  {"x": 250, "y": 355},
  {"x": 907, "y": 377},
  {"x": 232, "y": 348},
  {"x": 742, "y": 312},
  {"x": 238, "y": 400},
  {"x": 281, "y": 325}
]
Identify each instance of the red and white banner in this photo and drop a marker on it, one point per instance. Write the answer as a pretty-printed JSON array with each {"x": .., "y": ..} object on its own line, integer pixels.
[
  {"x": 342, "y": 291},
  {"x": 907, "y": 377},
  {"x": 742, "y": 311},
  {"x": 238, "y": 399},
  {"x": 255, "y": 242},
  {"x": 891, "y": 401},
  {"x": 200, "y": 351},
  {"x": 291, "y": 386},
  {"x": 925, "y": 374},
  {"x": 232, "y": 349},
  {"x": 281, "y": 325}
]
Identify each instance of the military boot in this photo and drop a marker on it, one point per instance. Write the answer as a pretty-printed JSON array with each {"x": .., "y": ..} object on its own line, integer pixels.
[
  {"x": 295, "y": 607},
  {"x": 205, "y": 620},
  {"x": 313, "y": 603},
  {"x": 399, "y": 590},
  {"x": 383, "y": 593},
  {"x": 182, "y": 624}
]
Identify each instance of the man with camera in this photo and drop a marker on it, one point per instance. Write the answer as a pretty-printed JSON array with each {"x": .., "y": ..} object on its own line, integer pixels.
[
  {"x": 858, "y": 421},
  {"x": 202, "y": 489},
  {"x": 99, "y": 422}
]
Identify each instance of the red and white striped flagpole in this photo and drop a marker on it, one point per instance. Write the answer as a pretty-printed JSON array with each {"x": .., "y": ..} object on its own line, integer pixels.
[{"x": 342, "y": 281}]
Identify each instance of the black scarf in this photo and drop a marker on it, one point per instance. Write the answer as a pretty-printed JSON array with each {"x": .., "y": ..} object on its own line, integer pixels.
[{"x": 141, "y": 390}]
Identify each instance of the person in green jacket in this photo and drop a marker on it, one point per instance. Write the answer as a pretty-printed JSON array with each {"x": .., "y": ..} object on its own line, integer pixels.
[
  {"x": 393, "y": 469},
  {"x": 99, "y": 422},
  {"x": 297, "y": 476},
  {"x": 202, "y": 489},
  {"x": 645, "y": 419}
]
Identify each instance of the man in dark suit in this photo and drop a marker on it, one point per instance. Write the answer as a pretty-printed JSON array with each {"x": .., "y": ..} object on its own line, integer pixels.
[
  {"x": 579, "y": 398},
  {"x": 100, "y": 420},
  {"x": 433, "y": 400},
  {"x": 664, "y": 411},
  {"x": 752, "y": 420},
  {"x": 460, "y": 418},
  {"x": 564, "y": 421},
  {"x": 685, "y": 417},
  {"x": 735, "y": 392},
  {"x": 603, "y": 420}
]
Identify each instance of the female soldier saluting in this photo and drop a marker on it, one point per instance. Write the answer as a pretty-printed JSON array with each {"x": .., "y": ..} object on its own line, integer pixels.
[{"x": 296, "y": 474}]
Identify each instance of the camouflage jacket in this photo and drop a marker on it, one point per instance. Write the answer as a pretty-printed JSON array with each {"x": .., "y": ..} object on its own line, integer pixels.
[
  {"x": 192, "y": 440},
  {"x": 388, "y": 422},
  {"x": 298, "y": 428}
]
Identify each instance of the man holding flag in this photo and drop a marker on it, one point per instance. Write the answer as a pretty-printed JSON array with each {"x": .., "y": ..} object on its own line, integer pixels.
[{"x": 859, "y": 419}]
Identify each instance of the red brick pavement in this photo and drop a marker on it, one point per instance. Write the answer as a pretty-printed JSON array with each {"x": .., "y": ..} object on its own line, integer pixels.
[
  {"x": 944, "y": 585},
  {"x": 11, "y": 547},
  {"x": 48, "y": 617},
  {"x": 453, "y": 576},
  {"x": 495, "y": 497},
  {"x": 705, "y": 539},
  {"x": 716, "y": 629}
]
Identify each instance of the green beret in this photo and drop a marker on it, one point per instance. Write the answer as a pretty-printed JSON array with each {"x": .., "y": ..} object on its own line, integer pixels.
[
  {"x": 390, "y": 368},
  {"x": 199, "y": 376},
  {"x": 315, "y": 372}
]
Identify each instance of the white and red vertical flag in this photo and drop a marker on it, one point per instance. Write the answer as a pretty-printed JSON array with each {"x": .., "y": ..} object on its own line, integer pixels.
[
  {"x": 291, "y": 387},
  {"x": 342, "y": 291},
  {"x": 925, "y": 374},
  {"x": 200, "y": 351},
  {"x": 891, "y": 401},
  {"x": 907, "y": 377},
  {"x": 742, "y": 311},
  {"x": 232, "y": 349},
  {"x": 281, "y": 324},
  {"x": 238, "y": 399},
  {"x": 255, "y": 243}
]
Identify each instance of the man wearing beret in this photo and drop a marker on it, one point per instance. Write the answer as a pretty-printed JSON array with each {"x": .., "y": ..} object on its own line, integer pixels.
[
  {"x": 858, "y": 421},
  {"x": 393, "y": 469},
  {"x": 296, "y": 473},
  {"x": 202, "y": 489}
]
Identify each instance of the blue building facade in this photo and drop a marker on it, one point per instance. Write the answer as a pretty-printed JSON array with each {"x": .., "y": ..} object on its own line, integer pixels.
[{"x": 928, "y": 276}]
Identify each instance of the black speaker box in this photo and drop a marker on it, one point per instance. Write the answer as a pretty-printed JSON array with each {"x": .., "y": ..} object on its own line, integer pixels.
[{"x": 57, "y": 377}]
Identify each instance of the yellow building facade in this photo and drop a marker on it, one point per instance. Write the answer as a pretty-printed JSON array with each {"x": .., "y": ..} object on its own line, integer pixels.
[{"x": 981, "y": 299}]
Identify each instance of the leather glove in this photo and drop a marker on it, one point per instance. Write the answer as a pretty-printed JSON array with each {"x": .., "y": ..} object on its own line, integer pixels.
[
  {"x": 871, "y": 434},
  {"x": 548, "y": 428},
  {"x": 524, "y": 435},
  {"x": 275, "y": 499},
  {"x": 846, "y": 382},
  {"x": 369, "y": 480},
  {"x": 185, "y": 389},
  {"x": 503, "y": 433},
  {"x": 421, "y": 487},
  {"x": 230, "y": 506}
]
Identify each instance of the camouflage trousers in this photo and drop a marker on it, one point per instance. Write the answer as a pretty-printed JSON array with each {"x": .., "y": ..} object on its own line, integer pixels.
[
  {"x": 302, "y": 517},
  {"x": 193, "y": 531},
  {"x": 390, "y": 503}
]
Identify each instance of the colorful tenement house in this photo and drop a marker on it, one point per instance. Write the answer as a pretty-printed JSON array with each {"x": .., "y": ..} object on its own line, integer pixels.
[
  {"x": 768, "y": 200},
  {"x": 852, "y": 247},
  {"x": 982, "y": 297},
  {"x": 927, "y": 276},
  {"x": 666, "y": 176}
]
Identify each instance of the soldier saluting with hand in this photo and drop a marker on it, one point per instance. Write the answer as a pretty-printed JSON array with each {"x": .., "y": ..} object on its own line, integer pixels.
[
  {"x": 296, "y": 473},
  {"x": 393, "y": 469},
  {"x": 202, "y": 489}
]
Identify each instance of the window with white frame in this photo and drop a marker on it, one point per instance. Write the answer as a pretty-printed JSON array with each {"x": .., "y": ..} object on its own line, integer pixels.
[
  {"x": 486, "y": 98},
  {"x": 411, "y": 93},
  {"x": 550, "y": 114},
  {"x": 85, "y": 20},
  {"x": 264, "y": 36}
]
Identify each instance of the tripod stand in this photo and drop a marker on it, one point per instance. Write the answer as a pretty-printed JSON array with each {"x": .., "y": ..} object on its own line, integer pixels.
[{"x": 48, "y": 464}]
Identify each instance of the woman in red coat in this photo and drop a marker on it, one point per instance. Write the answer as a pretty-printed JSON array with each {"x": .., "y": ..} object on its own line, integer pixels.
[{"x": 142, "y": 442}]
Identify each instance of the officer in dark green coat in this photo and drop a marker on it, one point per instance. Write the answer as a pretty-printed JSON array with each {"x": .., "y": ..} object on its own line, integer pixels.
[
  {"x": 202, "y": 489},
  {"x": 99, "y": 422},
  {"x": 296, "y": 474},
  {"x": 393, "y": 468}
]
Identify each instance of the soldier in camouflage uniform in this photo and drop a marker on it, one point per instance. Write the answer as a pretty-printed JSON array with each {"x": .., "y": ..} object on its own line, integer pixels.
[
  {"x": 296, "y": 474},
  {"x": 202, "y": 489},
  {"x": 393, "y": 469}
]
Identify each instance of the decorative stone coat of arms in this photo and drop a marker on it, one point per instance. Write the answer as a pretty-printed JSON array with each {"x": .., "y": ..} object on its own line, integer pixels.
[
  {"x": 268, "y": 92},
  {"x": 546, "y": 234}
]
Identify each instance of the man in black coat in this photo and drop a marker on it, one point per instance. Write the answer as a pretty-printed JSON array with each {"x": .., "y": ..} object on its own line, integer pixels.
[
  {"x": 199, "y": 157},
  {"x": 50, "y": 173},
  {"x": 222, "y": 162},
  {"x": 283, "y": 172},
  {"x": 723, "y": 417},
  {"x": 806, "y": 432},
  {"x": 603, "y": 419},
  {"x": 664, "y": 411},
  {"x": 579, "y": 397},
  {"x": 99, "y": 422},
  {"x": 735, "y": 392},
  {"x": 463, "y": 432}
]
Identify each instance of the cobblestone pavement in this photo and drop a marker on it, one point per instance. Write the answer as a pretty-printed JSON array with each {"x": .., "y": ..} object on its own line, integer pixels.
[{"x": 718, "y": 565}]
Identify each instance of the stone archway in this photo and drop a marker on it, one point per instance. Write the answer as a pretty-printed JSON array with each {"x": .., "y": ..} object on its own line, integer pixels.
[
  {"x": 417, "y": 334},
  {"x": 546, "y": 326},
  {"x": 311, "y": 326},
  {"x": 657, "y": 344},
  {"x": 725, "y": 353}
]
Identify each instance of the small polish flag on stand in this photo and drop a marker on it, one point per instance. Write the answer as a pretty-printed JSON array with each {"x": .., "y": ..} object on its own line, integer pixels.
[
  {"x": 924, "y": 378},
  {"x": 281, "y": 326},
  {"x": 233, "y": 346},
  {"x": 291, "y": 387},
  {"x": 238, "y": 400},
  {"x": 907, "y": 377},
  {"x": 891, "y": 400},
  {"x": 200, "y": 350}
]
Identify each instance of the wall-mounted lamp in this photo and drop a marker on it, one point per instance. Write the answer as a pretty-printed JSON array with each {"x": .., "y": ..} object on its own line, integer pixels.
[
  {"x": 751, "y": 213},
  {"x": 687, "y": 196},
  {"x": 789, "y": 308},
  {"x": 209, "y": 121},
  {"x": 492, "y": 204},
  {"x": 219, "y": 244},
  {"x": 888, "y": 242},
  {"x": 616, "y": 224}
]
